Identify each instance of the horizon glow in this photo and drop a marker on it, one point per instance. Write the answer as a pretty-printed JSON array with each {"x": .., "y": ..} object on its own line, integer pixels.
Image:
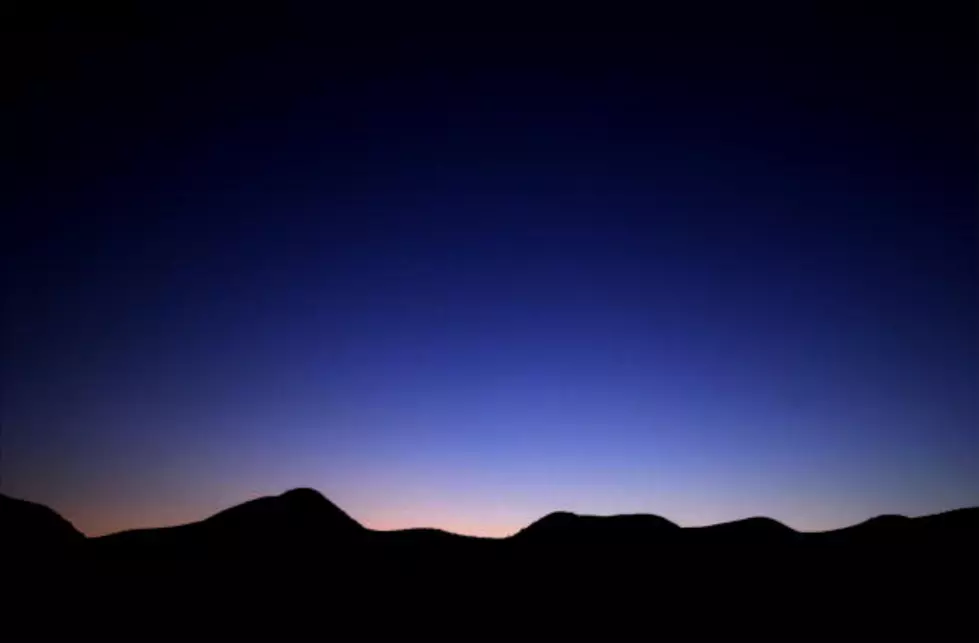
[{"x": 745, "y": 283}]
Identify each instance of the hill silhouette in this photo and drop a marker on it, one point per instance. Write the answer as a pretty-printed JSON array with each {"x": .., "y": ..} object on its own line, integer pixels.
[
  {"x": 29, "y": 528},
  {"x": 296, "y": 566},
  {"x": 755, "y": 531},
  {"x": 295, "y": 521},
  {"x": 563, "y": 527}
]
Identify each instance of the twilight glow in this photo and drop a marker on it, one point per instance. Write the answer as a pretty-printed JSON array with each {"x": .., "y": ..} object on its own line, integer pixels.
[{"x": 464, "y": 290}]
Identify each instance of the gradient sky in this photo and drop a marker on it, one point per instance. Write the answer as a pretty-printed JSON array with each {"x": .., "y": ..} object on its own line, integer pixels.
[{"x": 722, "y": 265}]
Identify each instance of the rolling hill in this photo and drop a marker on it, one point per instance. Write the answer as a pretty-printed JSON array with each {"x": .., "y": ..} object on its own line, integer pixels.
[{"x": 296, "y": 566}]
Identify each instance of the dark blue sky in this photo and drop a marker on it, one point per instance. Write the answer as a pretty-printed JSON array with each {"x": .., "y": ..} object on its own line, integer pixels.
[{"x": 717, "y": 263}]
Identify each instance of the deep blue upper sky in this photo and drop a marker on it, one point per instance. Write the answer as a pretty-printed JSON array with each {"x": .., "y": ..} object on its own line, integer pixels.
[{"x": 721, "y": 264}]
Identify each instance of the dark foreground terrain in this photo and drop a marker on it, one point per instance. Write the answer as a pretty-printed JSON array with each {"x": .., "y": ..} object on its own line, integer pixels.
[{"x": 297, "y": 567}]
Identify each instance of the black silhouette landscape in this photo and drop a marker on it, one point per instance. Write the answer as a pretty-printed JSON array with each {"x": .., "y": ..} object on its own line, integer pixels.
[{"x": 297, "y": 567}]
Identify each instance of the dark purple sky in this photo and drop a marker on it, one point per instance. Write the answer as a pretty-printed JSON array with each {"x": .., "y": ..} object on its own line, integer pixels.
[{"x": 721, "y": 264}]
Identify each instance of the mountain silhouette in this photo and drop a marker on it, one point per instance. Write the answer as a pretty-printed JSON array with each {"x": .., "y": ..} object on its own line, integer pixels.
[
  {"x": 296, "y": 521},
  {"x": 563, "y": 527},
  {"x": 756, "y": 531},
  {"x": 879, "y": 529},
  {"x": 299, "y": 512},
  {"x": 295, "y": 566},
  {"x": 31, "y": 528}
]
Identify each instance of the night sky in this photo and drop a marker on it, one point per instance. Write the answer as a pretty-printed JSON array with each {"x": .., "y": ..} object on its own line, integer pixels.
[{"x": 711, "y": 261}]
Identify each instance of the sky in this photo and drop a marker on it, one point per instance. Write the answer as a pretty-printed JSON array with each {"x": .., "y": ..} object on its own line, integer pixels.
[{"x": 710, "y": 262}]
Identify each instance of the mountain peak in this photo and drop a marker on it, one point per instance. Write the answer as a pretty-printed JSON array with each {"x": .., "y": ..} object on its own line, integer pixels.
[
  {"x": 623, "y": 527},
  {"x": 303, "y": 494},
  {"x": 301, "y": 490},
  {"x": 558, "y": 517},
  {"x": 554, "y": 520},
  {"x": 754, "y": 523},
  {"x": 887, "y": 519},
  {"x": 302, "y": 508},
  {"x": 755, "y": 529}
]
